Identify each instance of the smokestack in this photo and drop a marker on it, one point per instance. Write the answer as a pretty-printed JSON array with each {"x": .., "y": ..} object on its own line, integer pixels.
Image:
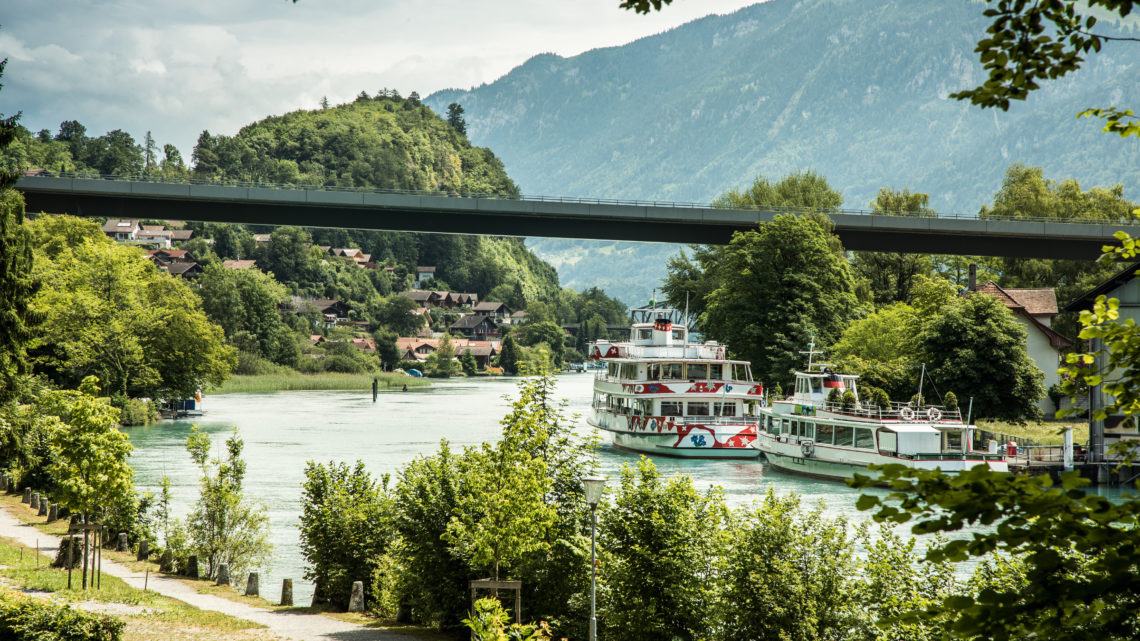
[{"x": 973, "y": 277}]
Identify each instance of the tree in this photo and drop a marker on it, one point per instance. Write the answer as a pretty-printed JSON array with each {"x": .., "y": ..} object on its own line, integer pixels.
[
  {"x": 892, "y": 274},
  {"x": 226, "y": 526},
  {"x": 455, "y": 118},
  {"x": 976, "y": 348},
  {"x": 544, "y": 332},
  {"x": 663, "y": 544},
  {"x": 346, "y": 528},
  {"x": 244, "y": 303},
  {"x": 777, "y": 287},
  {"x": 788, "y": 574},
  {"x": 395, "y": 313},
  {"x": 468, "y": 363},
  {"x": 801, "y": 190},
  {"x": 509, "y": 356},
  {"x": 441, "y": 362}
]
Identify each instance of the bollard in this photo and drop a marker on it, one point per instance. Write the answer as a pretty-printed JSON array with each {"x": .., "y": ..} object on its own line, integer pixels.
[
  {"x": 251, "y": 585},
  {"x": 356, "y": 602},
  {"x": 124, "y": 544},
  {"x": 53, "y": 512},
  {"x": 192, "y": 566},
  {"x": 3, "y": 482},
  {"x": 166, "y": 562},
  {"x": 144, "y": 550},
  {"x": 34, "y": 503},
  {"x": 287, "y": 592},
  {"x": 316, "y": 591},
  {"x": 27, "y": 495},
  {"x": 223, "y": 574},
  {"x": 44, "y": 506}
]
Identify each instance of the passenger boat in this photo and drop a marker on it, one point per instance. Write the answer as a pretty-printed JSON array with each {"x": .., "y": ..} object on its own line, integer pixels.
[
  {"x": 809, "y": 435},
  {"x": 663, "y": 395}
]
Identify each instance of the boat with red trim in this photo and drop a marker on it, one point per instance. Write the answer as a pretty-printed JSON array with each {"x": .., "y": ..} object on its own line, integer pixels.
[{"x": 661, "y": 394}]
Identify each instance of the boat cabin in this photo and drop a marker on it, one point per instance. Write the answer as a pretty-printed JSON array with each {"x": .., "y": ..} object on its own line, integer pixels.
[
  {"x": 660, "y": 332},
  {"x": 813, "y": 388}
]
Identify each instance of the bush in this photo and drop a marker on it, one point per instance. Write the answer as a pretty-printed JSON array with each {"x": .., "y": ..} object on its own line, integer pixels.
[
  {"x": 848, "y": 401},
  {"x": 343, "y": 364},
  {"x": 950, "y": 401},
  {"x": 489, "y": 622},
  {"x": 134, "y": 411},
  {"x": 834, "y": 397},
  {"x": 253, "y": 365},
  {"x": 26, "y": 619}
]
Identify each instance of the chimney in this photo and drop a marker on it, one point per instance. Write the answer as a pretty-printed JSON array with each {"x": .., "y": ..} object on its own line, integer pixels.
[{"x": 973, "y": 277}]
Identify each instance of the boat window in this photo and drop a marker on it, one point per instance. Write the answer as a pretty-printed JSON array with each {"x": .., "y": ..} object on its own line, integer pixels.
[
  {"x": 807, "y": 430},
  {"x": 699, "y": 409},
  {"x": 698, "y": 371},
  {"x": 775, "y": 428},
  {"x": 795, "y": 429},
  {"x": 799, "y": 386},
  {"x": 629, "y": 370},
  {"x": 644, "y": 334},
  {"x": 678, "y": 333},
  {"x": 726, "y": 409},
  {"x": 844, "y": 435},
  {"x": 954, "y": 441},
  {"x": 824, "y": 434},
  {"x": 671, "y": 408},
  {"x": 653, "y": 372},
  {"x": 817, "y": 385},
  {"x": 740, "y": 372},
  {"x": 864, "y": 438},
  {"x": 672, "y": 370},
  {"x": 716, "y": 372},
  {"x": 613, "y": 370},
  {"x": 888, "y": 442}
]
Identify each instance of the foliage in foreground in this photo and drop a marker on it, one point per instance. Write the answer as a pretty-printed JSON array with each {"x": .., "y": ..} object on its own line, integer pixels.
[
  {"x": 26, "y": 619},
  {"x": 490, "y": 622}
]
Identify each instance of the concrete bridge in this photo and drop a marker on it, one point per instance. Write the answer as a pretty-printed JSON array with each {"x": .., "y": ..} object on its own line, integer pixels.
[{"x": 548, "y": 217}]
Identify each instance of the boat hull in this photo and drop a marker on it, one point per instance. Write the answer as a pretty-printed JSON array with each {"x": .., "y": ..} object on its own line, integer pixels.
[
  {"x": 843, "y": 465},
  {"x": 690, "y": 441}
]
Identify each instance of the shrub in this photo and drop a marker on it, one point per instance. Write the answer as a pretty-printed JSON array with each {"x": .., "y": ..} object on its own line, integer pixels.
[
  {"x": 848, "y": 401},
  {"x": 950, "y": 401},
  {"x": 26, "y": 619},
  {"x": 134, "y": 411},
  {"x": 489, "y": 622},
  {"x": 253, "y": 365},
  {"x": 342, "y": 363},
  {"x": 834, "y": 397}
]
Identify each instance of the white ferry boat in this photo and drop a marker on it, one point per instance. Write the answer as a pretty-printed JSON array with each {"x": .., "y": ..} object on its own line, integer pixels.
[
  {"x": 663, "y": 395},
  {"x": 806, "y": 434}
]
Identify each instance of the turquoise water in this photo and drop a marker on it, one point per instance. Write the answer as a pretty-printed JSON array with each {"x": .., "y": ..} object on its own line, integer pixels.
[{"x": 283, "y": 430}]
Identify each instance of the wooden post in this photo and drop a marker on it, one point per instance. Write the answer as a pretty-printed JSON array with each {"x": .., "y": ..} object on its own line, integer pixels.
[
  {"x": 70, "y": 550},
  {"x": 83, "y": 582}
]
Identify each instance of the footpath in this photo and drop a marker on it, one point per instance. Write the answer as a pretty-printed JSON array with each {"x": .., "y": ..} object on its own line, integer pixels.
[{"x": 290, "y": 625}]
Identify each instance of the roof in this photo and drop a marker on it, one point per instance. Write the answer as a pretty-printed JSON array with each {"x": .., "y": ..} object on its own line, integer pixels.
[
  {"x": 425, "y": 268},
  {"x": 471, "y": 321},
  {"x": 417, "y": 295},
  {"x": 476, "y": 350},
  {"x": 177, "y": 269},
  {"x": 490, "y": 306},
  {"x": 1105, "y": 288},
  {"x": 321, "y": 304},
  {"x": 116, "y": 225},
  {"x": 911, "y": 427},
  {"x": 262, "y": 238},
  {"x": 154, "y": 227},
  {"x": 181, "y": 234},
  {"x": 1038, "y": 299},
  {"x": 519, "y": 314},
  {"x": 1035, "y": 301},
  {"x": 170, "y": 253},
  {"x": 238, "y": 264}
]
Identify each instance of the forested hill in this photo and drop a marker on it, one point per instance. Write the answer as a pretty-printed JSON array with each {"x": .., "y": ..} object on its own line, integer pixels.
[
  {"x": 855, "y": 90},
  {"x": 384, "y": 141}
]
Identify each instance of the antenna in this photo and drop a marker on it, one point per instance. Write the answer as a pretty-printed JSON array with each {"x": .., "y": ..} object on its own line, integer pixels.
[{"x": 811, "y": 351}]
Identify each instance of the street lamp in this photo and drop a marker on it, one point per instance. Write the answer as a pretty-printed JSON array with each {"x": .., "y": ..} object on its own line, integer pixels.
[{"x": 594, "y": 486}]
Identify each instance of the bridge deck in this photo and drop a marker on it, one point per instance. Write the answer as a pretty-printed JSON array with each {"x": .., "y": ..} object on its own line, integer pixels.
[{"x": 571, "y": 218}]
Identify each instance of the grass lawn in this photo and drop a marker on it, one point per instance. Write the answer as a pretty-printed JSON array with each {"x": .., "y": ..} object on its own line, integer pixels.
[
  {"x": 1044, "y": 432},
  {"x": 327, "y": 381}
]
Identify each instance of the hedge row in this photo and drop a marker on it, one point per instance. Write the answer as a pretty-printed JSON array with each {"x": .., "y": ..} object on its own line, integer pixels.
[{"x": 26, "y": 619}]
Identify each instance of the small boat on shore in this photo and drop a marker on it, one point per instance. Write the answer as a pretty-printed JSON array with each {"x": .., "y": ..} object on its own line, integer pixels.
[
  {"x": 662, "y": 395},
  {"x": 809, "y": 434}
]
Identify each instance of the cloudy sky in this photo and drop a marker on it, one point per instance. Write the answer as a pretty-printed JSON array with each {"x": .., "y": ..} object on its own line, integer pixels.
[{"x": 176, "y": 67}]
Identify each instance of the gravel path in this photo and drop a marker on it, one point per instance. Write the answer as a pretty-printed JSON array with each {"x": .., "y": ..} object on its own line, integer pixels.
[{"x": 291, "y": 625}]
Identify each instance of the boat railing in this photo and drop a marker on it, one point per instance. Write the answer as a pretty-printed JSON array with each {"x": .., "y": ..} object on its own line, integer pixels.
[
  {"x": 894, "y": 412},
  {"x": 953, "y": 456},
  {"x": 682, "y": 420}
]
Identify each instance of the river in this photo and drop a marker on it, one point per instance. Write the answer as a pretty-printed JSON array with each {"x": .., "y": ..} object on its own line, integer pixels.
[{"x": 283, "y": 430}]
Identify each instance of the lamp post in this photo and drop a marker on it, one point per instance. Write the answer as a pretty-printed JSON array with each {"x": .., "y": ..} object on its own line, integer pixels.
[{"x": 593, "y": 485}]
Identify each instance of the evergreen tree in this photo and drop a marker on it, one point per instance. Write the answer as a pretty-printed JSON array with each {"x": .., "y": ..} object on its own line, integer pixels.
[
  {"x": 455, "y": 118},
  {"x": 510, "y": 355}
]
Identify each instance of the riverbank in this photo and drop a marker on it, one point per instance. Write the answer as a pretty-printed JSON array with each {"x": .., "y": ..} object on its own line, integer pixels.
[
  {"x": 169, "y": 607},
  {"x": 317, "y": 382}
]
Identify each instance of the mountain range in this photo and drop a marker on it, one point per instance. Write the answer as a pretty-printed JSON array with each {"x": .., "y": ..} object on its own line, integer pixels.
[{"x": 856, "y": 90}]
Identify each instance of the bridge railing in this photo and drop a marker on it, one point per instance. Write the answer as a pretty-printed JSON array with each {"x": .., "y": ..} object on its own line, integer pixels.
[{"x": 43, "y": 173}]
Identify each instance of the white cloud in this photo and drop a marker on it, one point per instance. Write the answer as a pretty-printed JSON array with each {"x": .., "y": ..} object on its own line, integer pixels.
[{"x": 177, "y": 67}]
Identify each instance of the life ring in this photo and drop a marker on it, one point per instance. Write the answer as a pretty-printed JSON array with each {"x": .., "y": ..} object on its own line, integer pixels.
[
  {"x": 808, "y": 448},
  {"x": 933, "y": 413},
  {"x": 907, "y": 414}
]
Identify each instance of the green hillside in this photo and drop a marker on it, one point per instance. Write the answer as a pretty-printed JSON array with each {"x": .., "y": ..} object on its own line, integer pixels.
[{"x": 856, "y": 91}]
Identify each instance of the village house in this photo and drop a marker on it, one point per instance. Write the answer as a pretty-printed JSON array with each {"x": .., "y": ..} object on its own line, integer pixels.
[
  {"x": 1034, "y": 309},
  {"x": 333, "y": 311},
  {"x": 122, "y": 230},
  {"x": 417, "y": 349},
  {"x": 498, "y": 312},
  {"x": 183, "y": 270},
  {"x": 181, "y": 235},
  {"x": 474, "y": 326},
  {"x": 424, "y": 273},
  {"x": 239, "y": 264},
  {"x": 1124, "y": 287},
  {"x": 366, "y": 345}
]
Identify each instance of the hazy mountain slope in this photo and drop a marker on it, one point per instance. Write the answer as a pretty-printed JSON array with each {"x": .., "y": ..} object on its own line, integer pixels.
[{"x": 851, "y": 88}]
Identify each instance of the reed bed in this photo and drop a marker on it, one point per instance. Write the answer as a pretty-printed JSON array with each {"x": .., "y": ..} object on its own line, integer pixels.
[{"x": 326, "y": 381}]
